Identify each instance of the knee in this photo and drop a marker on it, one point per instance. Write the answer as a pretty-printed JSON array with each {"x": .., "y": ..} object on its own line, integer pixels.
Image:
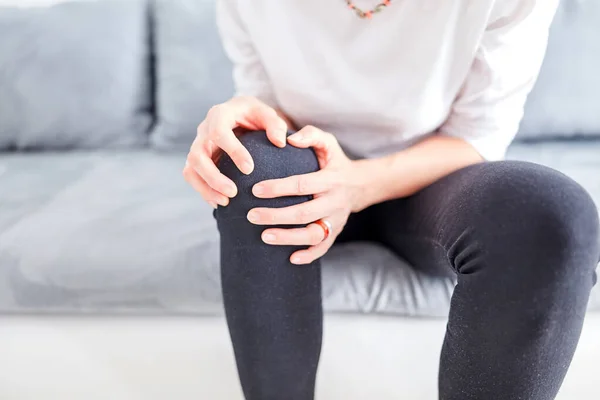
[
  {"x": 535, "y": 212},
  {"x": 270, "y": 162}
]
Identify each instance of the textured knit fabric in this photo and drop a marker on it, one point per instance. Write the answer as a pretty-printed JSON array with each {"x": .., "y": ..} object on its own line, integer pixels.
[
  {"x": 522, "y": 239},
  {"x": 416, "y": 68}
]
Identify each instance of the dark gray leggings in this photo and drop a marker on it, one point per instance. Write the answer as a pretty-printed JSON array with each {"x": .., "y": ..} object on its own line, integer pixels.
[{"x": 522, "y": 239}]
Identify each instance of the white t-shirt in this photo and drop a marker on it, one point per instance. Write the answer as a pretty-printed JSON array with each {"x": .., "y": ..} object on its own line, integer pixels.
[{"x": 420, "y": 67}]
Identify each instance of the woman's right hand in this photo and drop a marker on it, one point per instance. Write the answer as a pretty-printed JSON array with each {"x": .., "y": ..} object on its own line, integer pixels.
[{"x": 216, "y": 134}]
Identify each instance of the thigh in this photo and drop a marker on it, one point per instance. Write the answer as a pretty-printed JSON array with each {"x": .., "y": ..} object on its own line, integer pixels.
[
  {"x": 420, "y": 228},
  {"x": 359, "y": 227}
]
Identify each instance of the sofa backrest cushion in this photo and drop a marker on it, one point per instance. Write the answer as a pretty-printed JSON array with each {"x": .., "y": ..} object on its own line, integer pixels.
[
  {"x": 565, "y": 102},
  {"x": 75, "y": 75},
  {"x": 193, "y": 73}
]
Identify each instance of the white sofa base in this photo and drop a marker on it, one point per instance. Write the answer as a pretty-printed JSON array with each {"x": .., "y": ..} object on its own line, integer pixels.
[{"x": 177, "y": 358}]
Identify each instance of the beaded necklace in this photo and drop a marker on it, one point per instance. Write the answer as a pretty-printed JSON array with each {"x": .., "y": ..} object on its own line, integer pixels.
[{"x": 368, "y": 14}]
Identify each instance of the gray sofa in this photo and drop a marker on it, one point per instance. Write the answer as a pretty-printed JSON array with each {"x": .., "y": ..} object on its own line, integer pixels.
[{"x": 98, "y": 102}]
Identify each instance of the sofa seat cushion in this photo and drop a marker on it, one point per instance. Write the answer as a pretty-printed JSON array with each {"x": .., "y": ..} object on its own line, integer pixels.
[{"x": 123, "y": 233}]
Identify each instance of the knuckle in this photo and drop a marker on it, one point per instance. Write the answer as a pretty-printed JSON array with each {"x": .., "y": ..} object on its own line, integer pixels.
[
  {"x": 193, "y": 159},
  {"x": 331, "y": 141},
  {"x": 186, "y": 176},
  {"x": 214, "y": 111},
  {"x": 187, "y": 173},
  {"x": 267, "y": 110},
  {"x": 216, "y": 184},
  {"x": 310, "y": 130},
  {"x": 236, "y": 153},
  {"x": 301, "y": 185},
  {"x": 329, "y": 179},
  {"x": 216, "y": 135},
  {"x": 212, "y": 181},
  {"x": 243, "y": 99},
  {"x": 302, "y": 215},
  {"x": 199, "y": 141},
  {"x": 269, "y": 216},
  {"x": 200, "y": 129}
]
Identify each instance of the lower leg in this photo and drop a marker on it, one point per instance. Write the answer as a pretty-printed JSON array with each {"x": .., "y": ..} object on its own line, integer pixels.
[
  {"x": 525, "y": 250},
  {"x": 273, "y": 308},
  {"x": 523, "y": 240}
]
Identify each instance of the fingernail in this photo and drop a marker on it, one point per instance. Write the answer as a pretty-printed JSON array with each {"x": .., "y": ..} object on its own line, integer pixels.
[
  {"x": 258, "y": 190},
  {"x": 297, "y": 137},
  {"x": 253, "y": 216},
  {"x": 296, "y": 260},
  {"x": 247, "y": 167},
  {"x": 231, "y": 190},
  {"x": 213, "y": 205},
  {"x": 282, "y": 135},
  {"x": 268, "y": 237}
]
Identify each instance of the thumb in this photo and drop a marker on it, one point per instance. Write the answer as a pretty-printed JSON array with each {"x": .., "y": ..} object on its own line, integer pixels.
[
  {"x": 309, "y": 136},
  {"x": 324, "y": 144}
]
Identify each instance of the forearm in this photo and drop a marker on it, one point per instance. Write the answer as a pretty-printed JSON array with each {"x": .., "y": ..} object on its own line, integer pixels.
[{"x": 404, "y": 173}]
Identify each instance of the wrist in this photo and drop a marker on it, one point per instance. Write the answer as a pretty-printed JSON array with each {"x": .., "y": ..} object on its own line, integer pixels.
[{"x": 364, "y": 174}]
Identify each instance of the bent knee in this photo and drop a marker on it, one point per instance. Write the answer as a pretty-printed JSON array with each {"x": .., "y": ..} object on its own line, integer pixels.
[
  {"x": 270, "y": 162},
  {"x": 537, "y": 209},
  {"x": 530, "y": 193}
]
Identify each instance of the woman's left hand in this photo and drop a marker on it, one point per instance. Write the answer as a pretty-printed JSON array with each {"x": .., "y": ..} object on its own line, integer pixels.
[{"x": 335, "y": 195}]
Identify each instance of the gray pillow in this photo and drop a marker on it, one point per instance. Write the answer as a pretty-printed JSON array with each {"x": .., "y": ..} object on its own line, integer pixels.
[
  {"x": 566, "y": 99},
  {"x": 75, "y": 75},
  {"x": 193, "y": 72}
]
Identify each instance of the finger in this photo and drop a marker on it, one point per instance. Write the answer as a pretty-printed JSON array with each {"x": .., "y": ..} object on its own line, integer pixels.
[
  {"x": 297, "y": 185},
  {"x": 204, "y": 166},
  {"x": 210, "y": 195},
  {"x": 221, "y": 122},
  {"x": 264, "y": 117},
  {"x": 298, "y": 214},
  {"x": 309, "y": 136},
  {"x": 302, "y": 257},
  {"x": 310, "y": 235}
]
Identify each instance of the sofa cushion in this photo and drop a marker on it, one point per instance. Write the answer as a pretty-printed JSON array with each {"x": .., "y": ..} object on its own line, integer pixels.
[
  {"x": 564, "y": 102},
  {"x": 75, "y": 74},
  {"x": 193, "y": 72},
  {"x": 123, "y": 233}
]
